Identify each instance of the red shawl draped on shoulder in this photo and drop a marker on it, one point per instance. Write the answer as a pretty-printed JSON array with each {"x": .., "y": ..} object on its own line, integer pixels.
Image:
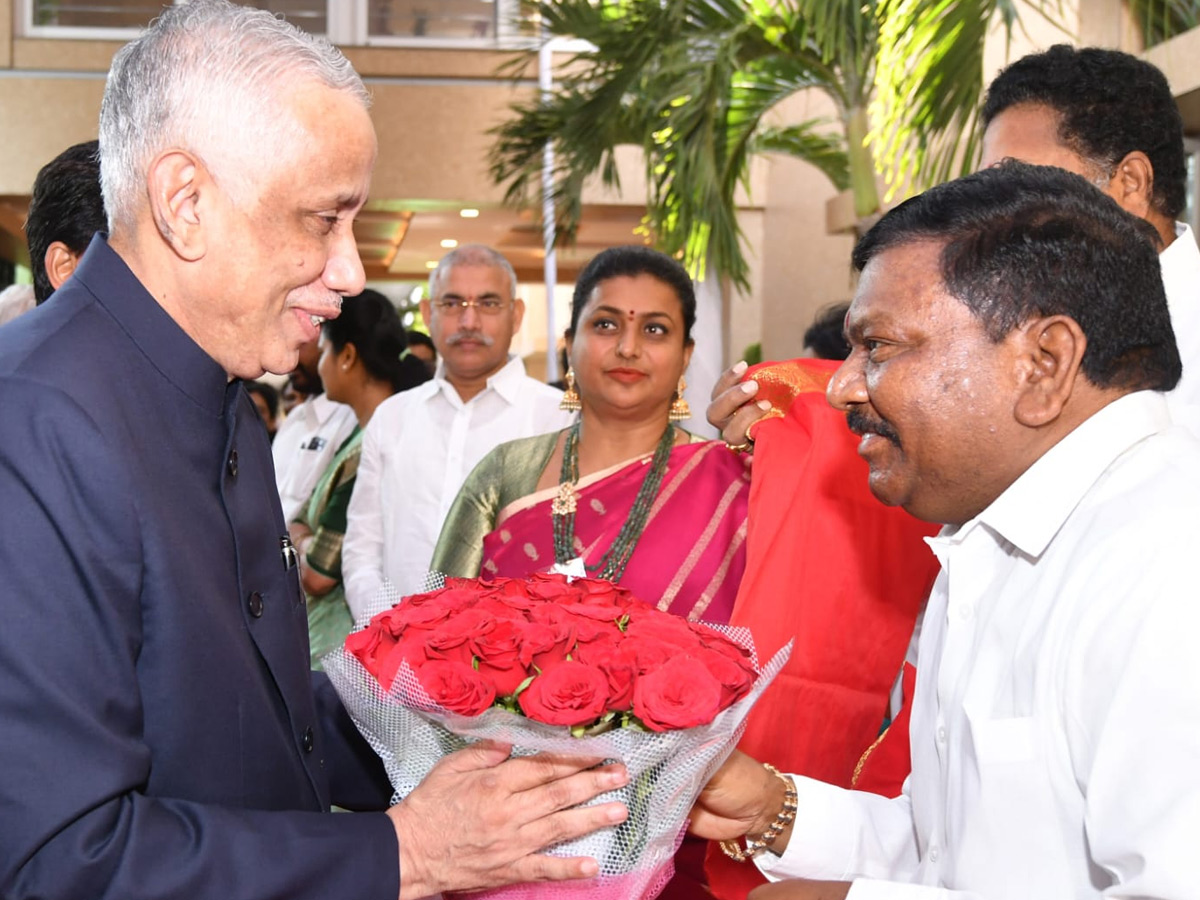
[{"x": 831, "y": 566}]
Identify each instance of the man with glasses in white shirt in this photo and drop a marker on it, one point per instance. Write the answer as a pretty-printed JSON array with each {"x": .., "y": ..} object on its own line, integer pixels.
[{"x": 421, "y": 444}]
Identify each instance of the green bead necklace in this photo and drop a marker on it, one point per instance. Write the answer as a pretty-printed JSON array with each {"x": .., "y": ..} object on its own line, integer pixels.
[{"x": 612, "y": 565}]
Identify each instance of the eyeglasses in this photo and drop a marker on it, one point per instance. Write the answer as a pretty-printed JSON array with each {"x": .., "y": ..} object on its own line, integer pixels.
[{"x": 487, "y": 306}]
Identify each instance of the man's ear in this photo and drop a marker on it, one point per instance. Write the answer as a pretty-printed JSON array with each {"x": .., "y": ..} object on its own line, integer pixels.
[
  {"x": 1052, "y": 349},
  {"x": 180, "y": 187},
  {"x": 518, "y": 313},
  {"x": 1132, "y": 184},
  {"x": 59, "y": 263}
]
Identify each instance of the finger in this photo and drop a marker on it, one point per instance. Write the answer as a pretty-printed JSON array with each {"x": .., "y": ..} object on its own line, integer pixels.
[
  {"x": 525, "y": 773},
  {"x": 480, "y": 755},
  {"x": 729, "y": 402},
  {"x": 568, "y": 824},
  {"x": 565, "y": 792},
  {"x": 737, "y": 428},
  {"x": 729, "y": 378},
  {"x": 537, "y": 867}
]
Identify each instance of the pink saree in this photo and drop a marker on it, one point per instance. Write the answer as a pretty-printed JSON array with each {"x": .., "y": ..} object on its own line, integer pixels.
[{"x": 692, "y": 552}]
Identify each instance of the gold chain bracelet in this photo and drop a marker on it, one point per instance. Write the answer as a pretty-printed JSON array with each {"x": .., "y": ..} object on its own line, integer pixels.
[{"x": 787, "y": 816}]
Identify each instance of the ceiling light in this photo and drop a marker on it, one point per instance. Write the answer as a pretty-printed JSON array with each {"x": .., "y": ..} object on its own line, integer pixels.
[
  {"x": 469, "y": 213},
  {"x": 431, "y": 263},
  {"x": 449, "y": 243}
]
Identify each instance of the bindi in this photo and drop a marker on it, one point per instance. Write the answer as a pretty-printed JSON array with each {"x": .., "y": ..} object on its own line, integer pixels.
[{"x": 629, "y": 315}]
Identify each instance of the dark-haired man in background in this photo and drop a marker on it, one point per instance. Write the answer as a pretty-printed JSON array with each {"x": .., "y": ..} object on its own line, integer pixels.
[
  {"x": 1111, "y": 118},
  {"x": 66, "y": 209},
  {"x": 1011, "y": 347}
]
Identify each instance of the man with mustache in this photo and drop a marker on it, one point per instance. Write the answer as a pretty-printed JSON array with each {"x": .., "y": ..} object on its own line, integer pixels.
[
  {"x": 421, "y": 444},
  {"x": 1011, "y": 348},
  {"x": 163, "y": 735}
]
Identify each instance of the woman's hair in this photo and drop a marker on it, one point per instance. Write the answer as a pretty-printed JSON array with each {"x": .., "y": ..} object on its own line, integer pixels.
[
  {"x": 210, "y": 77},
  {"x": 630, "y": 262},
  {"x": 370, "y": 322}
]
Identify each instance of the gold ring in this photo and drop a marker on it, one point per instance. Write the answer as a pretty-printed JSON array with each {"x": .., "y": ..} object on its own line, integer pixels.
[{"x": 742, "y": 447}]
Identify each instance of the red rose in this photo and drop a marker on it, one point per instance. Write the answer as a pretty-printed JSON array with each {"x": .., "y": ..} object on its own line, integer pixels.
[
  {"x": 451, "y": 640},
  {"x": 499, "y": 653},
  {"x": 456, "y": 687},
  {"x": 570, "y": 694},
  {"x": 370, "y": 646},
  {"x": 545, "y": 586},
  {"x": 682, "y": 693},
  {"x": 618, "y": 669},
  {"x": 735, "y": 678},
  {"x": 663, "y": 628},
  {"x": 722, "y": 643},
  {"x": 647, "y": 654}
]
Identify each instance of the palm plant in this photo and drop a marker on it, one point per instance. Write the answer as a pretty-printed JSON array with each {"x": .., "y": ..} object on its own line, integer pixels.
[{"x": 694, "y": 84}]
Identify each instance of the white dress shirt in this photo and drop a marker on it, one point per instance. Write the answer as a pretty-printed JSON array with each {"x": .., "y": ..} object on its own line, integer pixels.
[
  {"x": 1056, "y": 720},
  {"x": 304, "y": 446},
  {"x": 418, "y": 448},
  {"x": 1181, "y": 278}
]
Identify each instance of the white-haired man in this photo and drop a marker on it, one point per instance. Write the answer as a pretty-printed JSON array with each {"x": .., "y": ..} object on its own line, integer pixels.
[
  {"x": 421, "y": 444},
  {"x": 163, "y": 735}
]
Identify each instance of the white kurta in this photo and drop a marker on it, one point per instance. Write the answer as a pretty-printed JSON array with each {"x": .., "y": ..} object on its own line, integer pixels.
[
  {"x": 1181, "y": 279},
  {"x": 1056, "y": 719},
  {"x": 418, "y": 448},
  {"x": 304, "y": 447}
]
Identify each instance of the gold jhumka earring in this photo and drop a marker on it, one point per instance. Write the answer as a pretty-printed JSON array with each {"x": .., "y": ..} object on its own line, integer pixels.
[
  {"x": 570, "y": 398},
  {"x": 679, "y": 407}
]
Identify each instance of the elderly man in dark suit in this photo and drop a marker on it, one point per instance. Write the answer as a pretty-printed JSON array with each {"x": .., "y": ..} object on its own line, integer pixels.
[{"x": 162, "y": 735}]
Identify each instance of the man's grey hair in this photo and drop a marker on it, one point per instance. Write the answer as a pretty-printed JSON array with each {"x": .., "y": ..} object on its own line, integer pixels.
[
  {"x": 211, "y": 78},
  {"x": 470, "y": 255}
]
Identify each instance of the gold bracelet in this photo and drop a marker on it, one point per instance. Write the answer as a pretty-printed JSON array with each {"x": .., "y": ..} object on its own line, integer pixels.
[{"x": 787, "y": 816}]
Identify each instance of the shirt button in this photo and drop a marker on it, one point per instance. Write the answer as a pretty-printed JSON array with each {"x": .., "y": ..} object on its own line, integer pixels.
[
  {"x": 255, "y": 604},
  {"x": 934, "y": 853},
  {"x": 941, "y": 735},
  {"x": 231, "y": 464},
  {"x": 307, "y": 740},
  {"x": 965, "y": 612}
]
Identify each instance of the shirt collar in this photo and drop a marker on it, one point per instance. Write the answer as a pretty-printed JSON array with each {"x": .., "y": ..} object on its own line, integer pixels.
[
  {"x": 156, "y": 334},
  {"x": 1034, "y": 507},
  {"x": 506, "y": 382}
]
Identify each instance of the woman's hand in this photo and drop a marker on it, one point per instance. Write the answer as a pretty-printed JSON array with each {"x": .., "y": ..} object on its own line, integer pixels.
[{"x": 733, "y": 409}]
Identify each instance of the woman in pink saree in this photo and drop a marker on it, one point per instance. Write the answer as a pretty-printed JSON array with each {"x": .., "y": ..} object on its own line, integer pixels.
[{"x": 623, "y": 494}]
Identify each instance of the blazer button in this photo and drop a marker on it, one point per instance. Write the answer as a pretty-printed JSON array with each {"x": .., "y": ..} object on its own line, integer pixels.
[
  {"x": 231, "y": 465},
  {"x": 255, "y": 604},
  {"x": 307, "y": 740}
]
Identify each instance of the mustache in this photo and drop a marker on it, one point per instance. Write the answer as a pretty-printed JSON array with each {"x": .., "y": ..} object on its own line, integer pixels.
[
  {"x": 477, "y": 336},
  {"x": 859, "y": 422}
]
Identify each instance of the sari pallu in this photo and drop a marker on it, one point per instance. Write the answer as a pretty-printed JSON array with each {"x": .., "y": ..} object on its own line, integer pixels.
[
  {"x": 329, "y": 618},
  {"x": 691, "y": 554}
]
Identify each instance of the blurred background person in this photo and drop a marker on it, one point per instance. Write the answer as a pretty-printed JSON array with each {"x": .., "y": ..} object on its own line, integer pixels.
[
  {"x": 362, "y": 363},
  {"x": 66, "y": 210},
  {"x": 265, "y": 398},
  {"x": 421, "y": 346},
  {"x": 310, "y": 435},
  {"x": 824, "y": 338}
]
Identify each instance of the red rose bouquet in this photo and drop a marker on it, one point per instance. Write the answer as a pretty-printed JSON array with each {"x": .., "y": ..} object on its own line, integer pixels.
[{"x": 544, "y": 663}]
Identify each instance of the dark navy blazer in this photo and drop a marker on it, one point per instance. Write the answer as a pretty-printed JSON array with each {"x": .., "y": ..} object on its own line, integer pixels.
[{"x": 160, "y": 735}]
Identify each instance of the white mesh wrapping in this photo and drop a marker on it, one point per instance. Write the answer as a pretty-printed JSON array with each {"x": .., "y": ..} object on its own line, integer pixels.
[{"x": 666, "y": 769}]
